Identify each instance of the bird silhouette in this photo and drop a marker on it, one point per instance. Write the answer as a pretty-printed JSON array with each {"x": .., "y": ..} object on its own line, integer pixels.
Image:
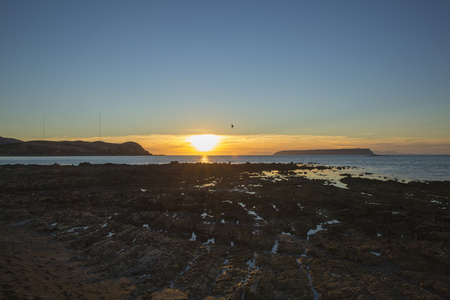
[{"x": 232, "y": 126}]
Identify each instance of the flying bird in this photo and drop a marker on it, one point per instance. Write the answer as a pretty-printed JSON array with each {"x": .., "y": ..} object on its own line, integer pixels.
[{"x": 232, "y": 126}]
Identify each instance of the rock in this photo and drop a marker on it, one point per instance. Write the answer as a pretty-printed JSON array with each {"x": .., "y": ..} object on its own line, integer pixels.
[
  {"x": 258, "y": 288},
  {"x": 169, "y": 294},
  {"x": 179, "y": 238}
]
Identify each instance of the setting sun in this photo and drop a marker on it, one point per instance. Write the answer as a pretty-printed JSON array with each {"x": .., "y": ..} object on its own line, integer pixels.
[{"x": 204, "y": 142}]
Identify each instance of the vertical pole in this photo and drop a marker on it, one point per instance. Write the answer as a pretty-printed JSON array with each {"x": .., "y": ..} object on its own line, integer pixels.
[
  {"x": 99, "y": 126},
  {"x": 43, "y": 127}
]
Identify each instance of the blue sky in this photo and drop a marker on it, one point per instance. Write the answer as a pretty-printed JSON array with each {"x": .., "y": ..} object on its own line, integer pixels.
[{"x": 372, "y": 70}]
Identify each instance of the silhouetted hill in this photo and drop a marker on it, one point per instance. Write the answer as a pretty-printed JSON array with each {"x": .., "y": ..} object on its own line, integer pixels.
[
  {"x": 69, "y": 148},
  {"x": 391, "y": 153},
  {"x": 4, "y": 141},
  {"x": 356, "y": 151}
]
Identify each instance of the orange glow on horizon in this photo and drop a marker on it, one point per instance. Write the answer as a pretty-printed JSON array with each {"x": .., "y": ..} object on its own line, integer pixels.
[{"x": 268, "y": 144}]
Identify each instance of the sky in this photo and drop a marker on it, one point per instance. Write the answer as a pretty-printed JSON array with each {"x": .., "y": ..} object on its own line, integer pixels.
[{"x": 288, "y": 74}]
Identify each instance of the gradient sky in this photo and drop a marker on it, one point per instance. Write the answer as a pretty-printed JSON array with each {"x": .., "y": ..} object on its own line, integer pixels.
[{"x": 301, "y": 73}]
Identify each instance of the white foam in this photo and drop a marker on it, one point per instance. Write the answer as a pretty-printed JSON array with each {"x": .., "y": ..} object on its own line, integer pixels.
[
  {"x": 193, "y": 237},
  {"x": 110, "y": 234}
]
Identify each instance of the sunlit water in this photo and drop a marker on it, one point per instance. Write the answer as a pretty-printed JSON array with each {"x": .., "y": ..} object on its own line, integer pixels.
[{"x": 414, "y": 167}]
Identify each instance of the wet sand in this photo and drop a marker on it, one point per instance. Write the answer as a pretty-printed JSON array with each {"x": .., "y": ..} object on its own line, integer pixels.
[{"x": 219, "y": 231}]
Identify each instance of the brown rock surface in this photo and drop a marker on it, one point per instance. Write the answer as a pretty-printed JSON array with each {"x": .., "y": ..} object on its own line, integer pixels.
[{"x": 218, "y": 231}]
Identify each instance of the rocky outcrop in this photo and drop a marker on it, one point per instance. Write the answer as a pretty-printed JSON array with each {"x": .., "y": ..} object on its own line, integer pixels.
[
  {"x": 356, "y": 151},
  {"x": 70, "y": 148},
  {"x": 220, "y": 231}
]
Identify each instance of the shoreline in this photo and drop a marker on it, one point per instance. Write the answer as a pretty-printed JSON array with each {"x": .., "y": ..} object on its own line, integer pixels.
[
  {"x": 219, "y": 231},
  {"x": 401, "y": 168}
]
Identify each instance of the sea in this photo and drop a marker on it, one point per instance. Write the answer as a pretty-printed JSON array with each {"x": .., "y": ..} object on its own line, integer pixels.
[{"x": 397, "y": 167}]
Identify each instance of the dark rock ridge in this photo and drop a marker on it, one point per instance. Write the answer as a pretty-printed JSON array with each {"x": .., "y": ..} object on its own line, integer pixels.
[
  {"x": 69, "y": 148},
  {"x": 356, "y": 151}
]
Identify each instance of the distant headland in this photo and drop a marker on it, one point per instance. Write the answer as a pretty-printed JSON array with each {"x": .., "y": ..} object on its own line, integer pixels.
[
  {"x": 14, "y": 147},
  {"x": 356, "y": 151}
]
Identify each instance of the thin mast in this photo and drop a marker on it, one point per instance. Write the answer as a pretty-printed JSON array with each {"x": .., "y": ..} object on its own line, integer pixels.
[
  {"x": 43, "y": 127},
  {"x": 99, "y": 126}
]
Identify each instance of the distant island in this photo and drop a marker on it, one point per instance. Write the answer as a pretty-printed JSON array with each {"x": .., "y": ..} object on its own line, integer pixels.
[
  {"x": 356, "y": 151},
  {"x": 14, "y": 147}
]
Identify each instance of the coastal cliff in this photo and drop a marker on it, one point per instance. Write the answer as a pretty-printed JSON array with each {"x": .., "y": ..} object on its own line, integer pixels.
[
  {"x": 356, "y": 151},
  {"x": 69, "y": 148}
]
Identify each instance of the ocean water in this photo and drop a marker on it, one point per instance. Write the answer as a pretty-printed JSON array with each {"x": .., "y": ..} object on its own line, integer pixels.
[{"x": 407, "y": 167}]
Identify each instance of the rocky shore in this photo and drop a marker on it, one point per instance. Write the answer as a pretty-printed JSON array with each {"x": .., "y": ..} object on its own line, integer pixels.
[{"x": 219, "y": 231}]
